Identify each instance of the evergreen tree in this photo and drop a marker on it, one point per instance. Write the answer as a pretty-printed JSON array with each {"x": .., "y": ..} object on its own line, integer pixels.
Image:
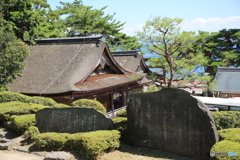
[
  {"x": 23, "y": 17},
  {"x": 12, "y": 54},
  {"x": 84, "y": 20},
  {"x": 163, "y": 37},
  {"x": 221, "y": 48},
  {"x": 122, "y": 41}
]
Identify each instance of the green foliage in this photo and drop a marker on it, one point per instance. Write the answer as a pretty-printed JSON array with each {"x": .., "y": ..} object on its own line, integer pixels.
[
  {"x": 231, "y": 134},
  {"x": 41, "y": 100},
  {"x": 120, "y": 124},
  {"x": 17, "y": 108},
  {"x": 12, "y": 55},
  {"x": 122, "y": 113},
  {"x": 50, "y": 141},
  {"x": 32, "y": 132},
  {"x": 90, "y": 144},
  {"x": 123, "y": 42},
  {"x": 59, "y": 105},
  {"x": 218, "y": 47},
  {"x": 22, "y": 122},
  {"x": 152, "y": 89},
  {"x": 223, "y": 147},
  {"x": 8, "y": 96},
  {"x": 226, "y": 119},
  {"x": 230, "y": 142},
  {"x": 84, "y": 20},
  {"x": 89, "y": 103},
  {"x": 163, "y": 37},
  {"x": 95, "y": 143},
  {"x": 52, "y": 26},
  {"x": 23, "y": 17}
]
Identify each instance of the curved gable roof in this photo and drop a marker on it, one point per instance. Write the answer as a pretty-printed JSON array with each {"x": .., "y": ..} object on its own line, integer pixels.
[
  {"x": 56, "y": 68},
  {"x": 131, "y": 61}
]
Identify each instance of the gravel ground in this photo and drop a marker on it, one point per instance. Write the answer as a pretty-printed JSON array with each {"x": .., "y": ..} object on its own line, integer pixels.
[{"x": 126, "y": 152}]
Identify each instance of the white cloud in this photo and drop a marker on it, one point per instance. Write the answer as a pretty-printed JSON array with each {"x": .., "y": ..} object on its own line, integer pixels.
[
  {"x": 211, "y": 24},
  {"x": 132, "y": 30}
]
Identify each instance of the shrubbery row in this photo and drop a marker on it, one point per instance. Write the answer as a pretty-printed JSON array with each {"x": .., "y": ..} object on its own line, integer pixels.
[
  {"x": 226, "y": 119},
  {"x": 8, "y": 96},
  {"x": 90, "y": 144},
  {"x": 230, "y": 142}
]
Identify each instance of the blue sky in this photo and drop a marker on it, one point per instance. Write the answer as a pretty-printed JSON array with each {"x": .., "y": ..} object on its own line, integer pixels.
[{"x": 205, "y": 15}]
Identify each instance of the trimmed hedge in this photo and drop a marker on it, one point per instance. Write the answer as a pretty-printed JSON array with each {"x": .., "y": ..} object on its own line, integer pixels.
[
  {"x": 32, "y": 132},
  {"x": 60, "y": 105},
  {"x": 120, "y": 124},
  {"x": 50, "y": 141},
  {"x": 226, "y": 146},
  {"x": 23, "y": 122},
  {"x": 89, "y": 103},
  {"x": 226, "y": 119},
  {"x": 90, "y": 144},
  {"x": 41, "y": 100},
  {"x": 17, "y": 108},
  {"x": 8, "y": 96},
  {"x": 230, "y": 143},
  {"x": 122, "y": 113},
  {"x": 231, "y": 134}
]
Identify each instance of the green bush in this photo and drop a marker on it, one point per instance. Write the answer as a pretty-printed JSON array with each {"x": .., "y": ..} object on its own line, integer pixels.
[
  {"x": 41, "y": 100},
  {"x": 60, "y": 105},
  {"x": 120, "y": 124},
  {"x": 8, "y": 96},
  {"x": 32, "y": 133},
  {"x": 226, "y": 146},
  {"x": 89, "y": 103},
  {"x": 90, "y": 144},
  {"x": 22, "y": 122},
  {"x": 17, "y": 108},
  {"x": 93, "y": 144},
  {"x": 50, "y": 141},
  {"x": 122, "y": 113},
  {"x": 231, "y": 134},
  {"x": 226, "y": 119}
]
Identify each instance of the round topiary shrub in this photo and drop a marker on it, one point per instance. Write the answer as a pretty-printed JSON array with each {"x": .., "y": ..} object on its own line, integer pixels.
[
  {"x": 8, "y": 96},
  {"x": 41, "y": 100},
  {"x": 231, "y": 134},
  {"x": 89, "y": 103},
  {"x": 225, "y": 146},
  {"x": 60, "y": 105}
]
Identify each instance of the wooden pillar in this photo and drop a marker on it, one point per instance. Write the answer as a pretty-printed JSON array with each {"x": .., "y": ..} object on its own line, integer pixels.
[
  {"x": 111, "y": 101},
  {"x": 124, "y": 98},
  {"x": 127, "y": 95}
]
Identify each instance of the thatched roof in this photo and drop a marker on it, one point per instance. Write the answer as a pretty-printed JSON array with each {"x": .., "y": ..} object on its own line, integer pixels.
[
  {"x": 131, "y": 61},
  {"x": 55, "y": 67}
]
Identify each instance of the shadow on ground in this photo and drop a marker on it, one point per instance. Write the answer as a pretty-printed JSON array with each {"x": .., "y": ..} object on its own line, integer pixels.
[{"x": 152, "y": 153}]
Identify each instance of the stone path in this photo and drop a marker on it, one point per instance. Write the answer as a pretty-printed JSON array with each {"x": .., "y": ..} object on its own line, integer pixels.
[{"x": 12, "y": 148}]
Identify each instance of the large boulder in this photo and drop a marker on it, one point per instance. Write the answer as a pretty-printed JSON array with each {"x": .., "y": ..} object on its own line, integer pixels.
[
  {"x": 72, "y": 120},
  {"x": 171, "y": 120}
]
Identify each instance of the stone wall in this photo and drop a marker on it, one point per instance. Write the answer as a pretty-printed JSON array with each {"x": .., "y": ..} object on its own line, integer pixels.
[{"x": 171, "y": 120}]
